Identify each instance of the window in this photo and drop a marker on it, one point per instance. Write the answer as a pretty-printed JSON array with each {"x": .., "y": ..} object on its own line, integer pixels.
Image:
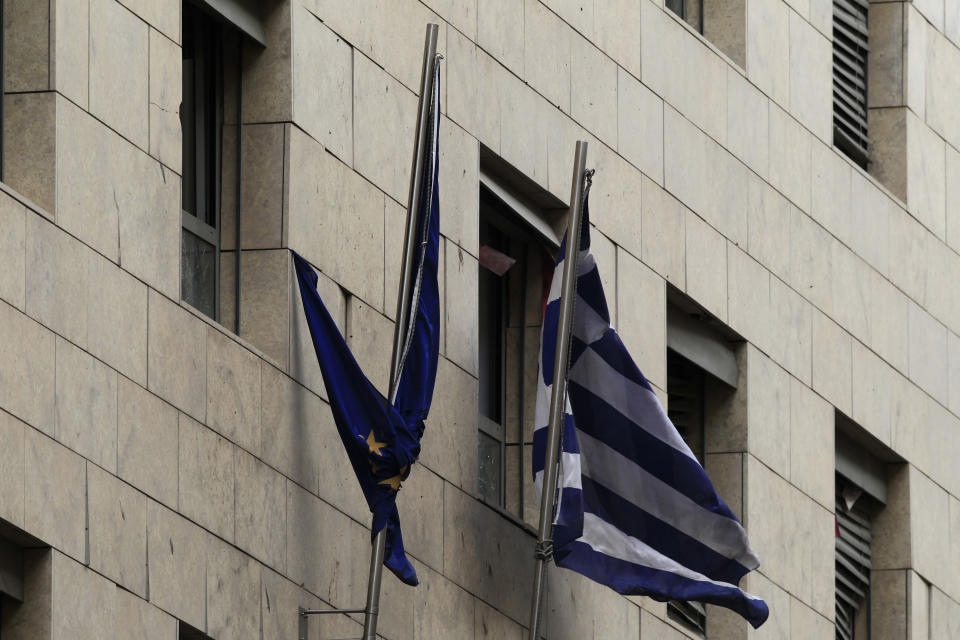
[
  {"x": 211, "y": 75},
  {"x": 690, "y": 10},
  {"x": 516, "y": 262},
  {"x": 850, "y": 49},
  {"x": 722, "y": 22}
]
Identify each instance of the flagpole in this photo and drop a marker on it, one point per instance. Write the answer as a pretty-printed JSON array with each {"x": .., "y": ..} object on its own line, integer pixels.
[
  {"x": 371, "y": 612},
  {"x": 544, "y": 548}
]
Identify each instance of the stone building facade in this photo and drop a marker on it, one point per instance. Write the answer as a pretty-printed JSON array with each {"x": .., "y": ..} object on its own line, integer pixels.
[{"x": 165, "y": 475}]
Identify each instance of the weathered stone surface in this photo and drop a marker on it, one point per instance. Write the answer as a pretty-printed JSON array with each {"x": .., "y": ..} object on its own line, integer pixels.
[
  {"x": 136, "y": 618},
  {"x": 370, "y": 338},
  {"x": 176, "y": 352},
  {"x": 886, "y": 62},
  {"x": 13, "y": 279},
  {"x": 642, "y": 301},
  {"x": 944, "y": 615},
  {"x": 260, "y": 510},
  {"x": 639, "y": 125},
  {"x": 93, "y": 598},
  {"x": 953, "y": 373},
  {"x": 418, "y": 500},
  {"x": 442, "y": 609},
  {"x": 32, "y": 622},
  {"x": 790, "y": 167},
  {"x": 55, "y": 488},
  {"x": 147, "y": 449},
  {"x": 449, "y": 445},
  {"x": 70, "y": 31},
  {"x": 769, "y": 224},
  {"x": 459, "y": 307},
  {"x": 811, "y": 270},
  {"x": 473, "y": 92},
  {"x": 768, "y": 412},
  {"x": 12, "y": 434},
  {"x": 615, "y": 200},
  {"x": 546, "y": 59},
  {"x": 323, "y": 84},
  {"x": 177, "y": 564},
  {"x": 27, "y": 46},
  {"x": 832, "y": 362},
  {"x": 160, "y": 14},
  {"x": 117, "y": 318},
  {"x": 926, "y": 176},
  {"x": 119, "y": 69},
  {"x": 290, "y": 438},
  {"x": 706, "y": 266},
  {"x": 491, "y": 624},
  {"x": 206, "y": 478},
  {"x": 651, "y": 627},
  {"x": 942, "y": 86},
  {"x": 748, "y": 122},
  {"x": 871, "y": 397},
  {"x": 165, "y": 97},
  {"x": 953, "y": 197},
  {"x": 593, "y": 89},
  {"x": 86, "y": 405},
  {"x": 56, "y": 280},
  {"x": 233, "y": 592},
  {"x": 928, "y": 353},
  {"x": 459, "y": 201},
  {"x": 811, "y": 444},
  {"x": 768, "y": 50},
  {"x": 790, "y": 330},
  {"x": 233, "y": 391},
  {"x": 524, "y": 127},
  {"x": 30, "y": 145},
  {"x": 27, "y": 381},
  {"x": 117, "y": 515},
  {"x": 500, "y": 30},
  {"x": 811, "y": 78}
]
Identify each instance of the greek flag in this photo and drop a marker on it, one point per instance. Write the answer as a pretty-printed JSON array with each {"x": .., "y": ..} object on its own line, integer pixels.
[{"x": 634, "y": 509}]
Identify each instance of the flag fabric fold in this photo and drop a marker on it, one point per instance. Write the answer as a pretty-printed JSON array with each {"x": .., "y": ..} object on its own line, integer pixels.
[
  {"x": 634, "y": 509},
  {"x": 382, "y": 438}
]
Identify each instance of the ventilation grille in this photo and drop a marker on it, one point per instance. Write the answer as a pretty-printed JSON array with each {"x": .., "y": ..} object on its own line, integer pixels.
[
  {"x": 850, "y": 37},
  {"x": 853, "y": 563}
]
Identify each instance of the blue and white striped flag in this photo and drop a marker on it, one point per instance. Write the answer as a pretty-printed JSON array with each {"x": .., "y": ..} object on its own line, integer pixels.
[{"x": 635, "y": 510}]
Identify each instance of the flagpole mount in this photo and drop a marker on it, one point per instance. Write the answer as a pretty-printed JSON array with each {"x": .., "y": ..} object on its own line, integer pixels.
[{"x": 544, "y": 547}]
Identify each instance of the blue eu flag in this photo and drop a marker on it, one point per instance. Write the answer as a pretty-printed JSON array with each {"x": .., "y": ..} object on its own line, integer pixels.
[{"x": 382, "y": 438}]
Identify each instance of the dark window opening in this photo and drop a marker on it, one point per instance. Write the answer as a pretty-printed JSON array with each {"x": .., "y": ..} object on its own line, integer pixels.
[
  {"x": 850, "y": 51},
  {"x": 186, "y": 632},
  {"x": 691, "y": 11}
]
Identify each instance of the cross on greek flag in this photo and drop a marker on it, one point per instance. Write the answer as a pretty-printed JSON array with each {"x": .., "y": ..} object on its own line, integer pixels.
[{"x": 635, "y": 510}]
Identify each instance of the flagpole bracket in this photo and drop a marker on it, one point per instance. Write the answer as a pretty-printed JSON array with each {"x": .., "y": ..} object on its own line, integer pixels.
[{"x": 543, "y": 550}]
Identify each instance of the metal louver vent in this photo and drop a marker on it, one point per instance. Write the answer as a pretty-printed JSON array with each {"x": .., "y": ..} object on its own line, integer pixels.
[
  {"x": 853, "y": 565},
  {"x": 685, "y": 406},
  {"x": 850, "y": 49}
]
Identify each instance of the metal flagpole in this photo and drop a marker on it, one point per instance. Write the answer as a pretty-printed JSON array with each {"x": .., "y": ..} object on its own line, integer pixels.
[
  {"x": 544, "y": 547},
  {"x": 372, "y": 610}
]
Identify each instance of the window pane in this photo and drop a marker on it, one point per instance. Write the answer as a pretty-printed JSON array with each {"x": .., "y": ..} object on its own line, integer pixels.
[
  {"x": 489, "y": 468},
  {"x": 676, "y": 6},
  {"x": 198, "y": 273}
]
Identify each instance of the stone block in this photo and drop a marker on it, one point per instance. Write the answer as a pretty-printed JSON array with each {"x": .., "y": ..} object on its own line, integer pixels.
[
  {"x": 27, "y": 383},
  {"x": 639, "y": 125},
  {"x": 768, "y": 51},
  {"x": 93, "y": 600},
  {"x": 871, "y": 397},
  {"x": 421, "y": 504},
  {"x": 930, "y": 528},
  {"x": 619, "y": 43},
  {"x": 642, "y": 302},
  {"x": 163, "y": 15},
  {"x": 830, "y": 201},
  {"x": 176, "y": 355},
  {"x": 117, "y": 516},
  {"x": 524, "y": 127},
  {"x": 790, "y": 333},
  {"x": 323, "y": 84},
  {"x": 687, "y": 152},
  {"x": 334, "y": 218},
  {"x": 119, "y": 70},
  {"x": 688, "y": 75},
  {"x": 952, "y": 22},
  {"x": 651, "y": 628},
  {"x": 811, "y": 270},
  {"x": 27, "y": 46},
  {"x": 268, "y": 72},
  {"x": 13, "y": 279},
  {"x": 663, "y": 234},
  {"x": 807, "y": 623},
  {"x": 473, "y": 94},
  {"x": 147, "y": 442},
  {"x": 166, "y": 143},
  {"x": 888, "y": 131},
  {"x": 748, "y": 122},
  {"x": 486, "y": 554},
  {"x": 207, "y": 487},
  {"x": 811, "y": 444},
  {"x": 769, "y": 223},
  {"x": 54, "y": 498},
  {"x": 944, "y": 615},
  {"x": 768, "y": 411},
  {"x": 748, "y": 285},
  {"x": 926, "y": 176},
  {"x": 117, "y": 318},
  {"x": 86, "y": 405},
  {"x": 918, "y": 601},
  {"x": 29, "y": 146},
  {"x": 460, "y": 14},
  {"x": 490, "y": 624},
  {"x": 917, "y": 30},
  {"x": 852, "y": 278},
  {"x": 177, "y": 563},
  {"x": 500, "y": 31},
  {"x": 726, "y": 473},
  {"x": 290, "y": 438},
  {"x": 885, "y": 64},
  {"x": 383, "y": 110},
  {"x": 832, "y": 362},
  {"x": 319, "y": 543},
  {"x": 279, "y": 601},
  {"x": 912, "y": 250},
  {"x": 233, "y": 592},
  {"x": 594, "y": 89},
  {"x": 459, "y": 198},
  {"x": 12, "y": 434},
  {"x": 450, "y": 440},
  {"x": 888, "y": 589},
  {"x": 265, "y": 291},
  {"x": 728, "y": 181},
  {"x": 137, "y": 618},
  {"x": 615, "y": 199},
  {"x": 70, "y": 32},
  {"x": 547, "y": 45},
  {"x": 260, "y": 510},
  {"x": 459, "y": 307},
  {"x": 928, "y": 353},
  {"x": 942, "y": 86},
  {"x": 933, "y": 11},
  {"x": 370, "y": 337},
  {"x": 811, "y": 78},
  {"x": 233, "y": 390},
  {"x": 953, "y": 373},
  {"x": 57, "y": 283},
  {"x": 605, "y": 254},
  {"x": 442, "y": 609},
  {"x": 790, "y": 169},
  {"x": 953, "y": 197},
  {"x": 889, "y": 308},
  {"x": 706, "y": 266},
  {"x": 870, "y": 217}
]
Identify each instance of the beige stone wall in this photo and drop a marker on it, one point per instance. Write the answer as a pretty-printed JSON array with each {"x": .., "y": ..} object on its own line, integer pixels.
[{"x": 179, "y": 471}]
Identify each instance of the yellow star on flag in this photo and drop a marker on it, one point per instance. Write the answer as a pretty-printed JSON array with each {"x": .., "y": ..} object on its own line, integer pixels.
[
  {"x": 394, "y": 482},
  {"x": 373, "y": 445}
]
